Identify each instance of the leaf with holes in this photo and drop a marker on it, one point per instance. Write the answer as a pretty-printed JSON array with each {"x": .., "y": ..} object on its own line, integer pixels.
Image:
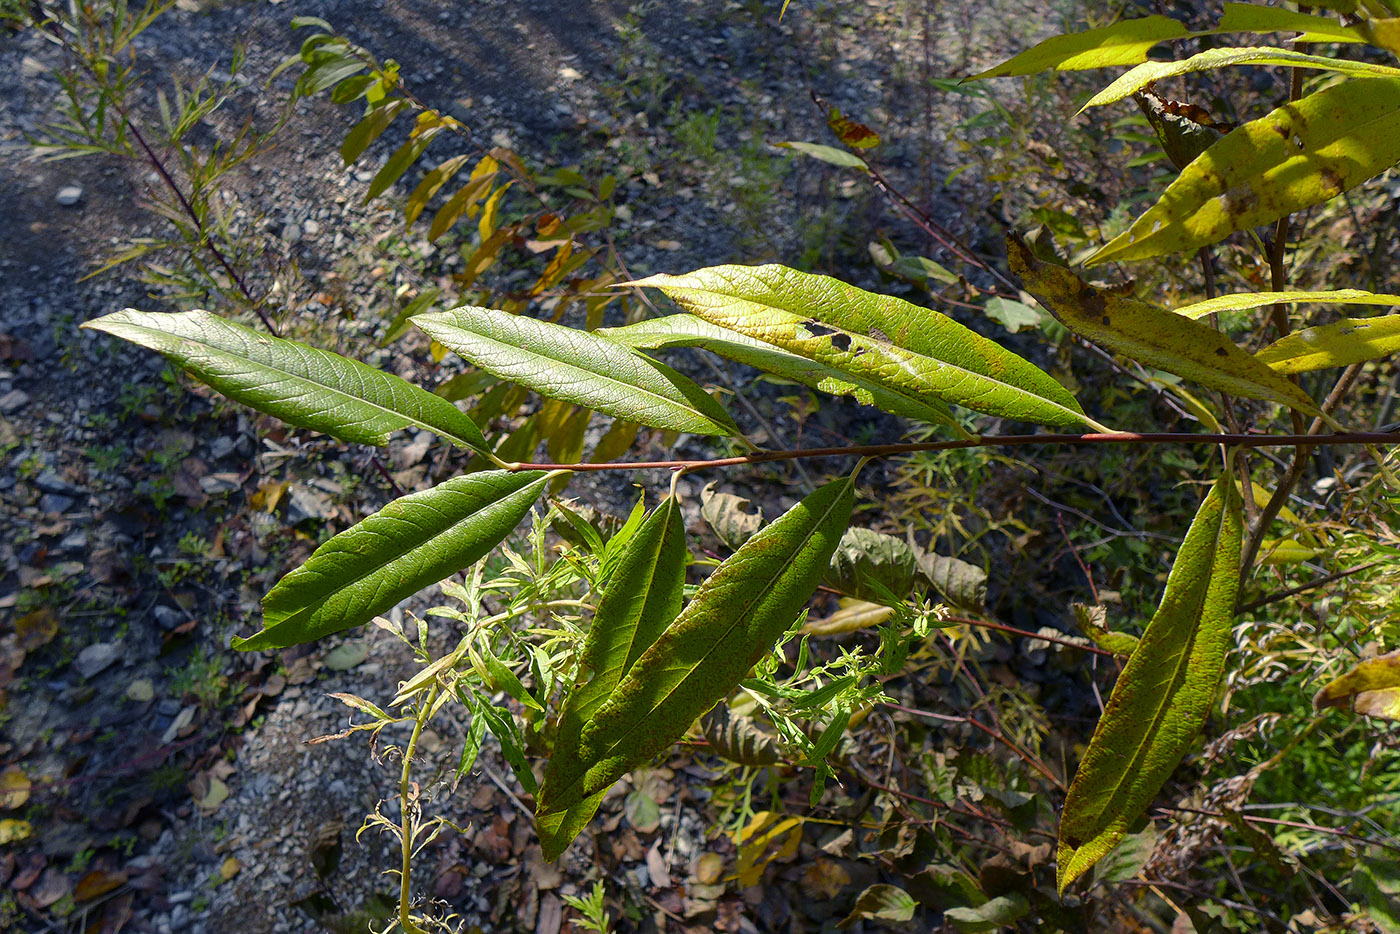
[
  {"x": 1304, "y": 153},
  {"x": 1151, "y": 335},
  {"x": 737, "y": 615},
  {"x": 879, "y": 339},
  {"x": 690, "y": 331},
  {"x": 414, "y": 541},
  {"x": 574, "y": 366},
  {"x": 1165, "y": 692},
  {"x": 301, "y": 385}
]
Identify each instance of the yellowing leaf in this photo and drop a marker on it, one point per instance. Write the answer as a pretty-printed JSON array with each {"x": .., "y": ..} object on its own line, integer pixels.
[
  {"x": 1341, "y": 343},
  {"x": 1274, "y": 551},
  {"x": 1371, "y": 688},
  {"x": 1124, "y": 43},
  {"x": 36, "y": 628},
  {"x": 1304, "y": 153},
  {"x": 1164, "y": 693},
  {"x": 14, "y": 788},
  {"x": 1151, "y": 335},
  {"x": 1255, "y": 17},
  {"x": 766, "y": 838},
  {"x": 852, "y": 616},
  {"x": 12, "y": 831},
  {"x": 1245, "y": 300}
]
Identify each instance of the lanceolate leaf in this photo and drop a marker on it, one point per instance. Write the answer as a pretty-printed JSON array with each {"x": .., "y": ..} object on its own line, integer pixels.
[
  {"x": 1255, "y": 17},
  {"x": 1245, "y": 300},
  {"x": 1341, "y": 343},
  {"x": 1165, "y": 692},
  {"x": 690, "y": 331},
  {"x": 641, "y": 599},
  {"x": 1148, "y": 72},
  {"x": 412, "y": 542},
  {"x": 1151, "y": 335},
  {"x": 1301, "y": 154},
  {"x": 738, "y": 614},
  {"x": 847, "y": 160},
  {"x": 876, "y": 339},
  {"x": 1124, "y": 43},
  {"x": 574, "y": 366},
  {"x": 301, "y": 385}
]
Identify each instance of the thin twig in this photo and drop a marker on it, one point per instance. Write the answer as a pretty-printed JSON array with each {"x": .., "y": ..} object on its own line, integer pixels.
[{"x": 1304, "y": 587}]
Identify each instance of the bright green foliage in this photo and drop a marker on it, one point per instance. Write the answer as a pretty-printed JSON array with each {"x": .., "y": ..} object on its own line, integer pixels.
[
  {"x": 692, "y": 331},
  {"x": 575, "y": 366},
  {"x": 301, "y": 385},
  {"x": 1301, "y": 154},
  {"x": 1165, "y": 692},
  {"x": 882, "y": 340},
  {"x": 1123, "y": 43},
  {"x": 1341, "y": 343},
  {"x": 1152, "y": 335},
  {"x": 738, "y": 614},
  {"x": 1246, "y": 300},
  {"x": 412, "y": 542}
]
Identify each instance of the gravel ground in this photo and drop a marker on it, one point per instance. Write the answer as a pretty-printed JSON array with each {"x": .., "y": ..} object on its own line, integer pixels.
[{"x": 131, "y": 713}]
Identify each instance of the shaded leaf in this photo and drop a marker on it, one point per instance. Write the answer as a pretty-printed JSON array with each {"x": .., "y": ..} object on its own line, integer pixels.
[
  {"x": 1151, "y": 335},
  {"x": 690, "y": 331},
  {"x": 876, "y": 338},
  {"x": 301, "y": 385},
  {"x": 735, "y": 618},
  {"x": 641, "y": 598},
  {"x": 766, "y": 838},
  {"x": 14, "y": 788},
  {"x": 1341, "y": 343},
  {"x": 827, "y": 154},
  {"x": 1165, "y": 692},
  {"x": 1304, "y": 153},
  {"x": 478, "y": 184},
  {"x": 1012, "y": 315},
  {"x": 429, "y": 185},
  {"x": 962, "y": 584},
  {"x": 574, "y": 366},
  {"x": 1091, "y": 620},
  {"x": 370, "y": 127},
  {"x": 412, "y": 542},
  {"x": 852, "y": 616},
  {"x": 733, "y": 518},
  {"x": 737, "y": 738},
  {"x": 1372, "y": 687},
  {"x": 872, "y": 566},
  {"x": 882, "y": 903},
  {"x": 993, "y": 915}
]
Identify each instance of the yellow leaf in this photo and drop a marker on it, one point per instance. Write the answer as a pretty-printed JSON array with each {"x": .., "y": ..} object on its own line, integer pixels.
[
  {"x": 12, "y": 831},
  {"x": 230, "y": 868},
  {"x": 1285, "y": 551},
  {"x": 1245, "y": 300},
  {"x": 1151, "y": 335},
  {"x": 1341, "y": 343},
  {"x": 1372, "y": 688},
  {"x": 853, "y": 615},
  {"x": 1304, "y": 153},
  {"x": 766, "y": 838},
  {"x": 1124, "y": 43},
  {"x": 14, "y": 788}
]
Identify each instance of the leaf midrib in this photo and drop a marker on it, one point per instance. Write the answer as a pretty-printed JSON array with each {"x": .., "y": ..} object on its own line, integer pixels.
[
  {"x": 589, "y": 375},
  {"x": 288, "y": 347}
]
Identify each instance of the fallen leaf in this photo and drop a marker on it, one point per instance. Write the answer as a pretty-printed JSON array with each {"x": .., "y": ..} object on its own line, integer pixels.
[
  {"x": 12, "y": 830},
  {"x": 824, "y": 879},
  {"x": 209, "y": 797},
  {"x": 230, "y": 868},
  {"x": 708, "y": 868},
  {"x": 52, "y": 886},
  {"x": 656, "y": 867},
  {"x": 642, "y": 813},
  {"x": 14, "y": 788},
  {"x": 97, "y": 882},
  {"x": 36, "y": 628},
  {"x": 346, "y": 656}
]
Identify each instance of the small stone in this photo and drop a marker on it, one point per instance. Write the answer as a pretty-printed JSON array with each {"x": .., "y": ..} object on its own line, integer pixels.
[
  {"x": 169, "y": 706},
  {"x": 311, "y": 228},
  {"x": 69, "y": 195},
  {"x": 291, "y": 233},
  {"x": 97, "y": 658},
  {"x": 13, "y": 401},
  {"x": 140, "y": 691},
  {"x": 168, "y": 617},
  {"x": 347, "y": 656},
  {"x": 48, "y": 481},
  {"x": 221, "y": 446},
  {"x": 55, "y": 503}
]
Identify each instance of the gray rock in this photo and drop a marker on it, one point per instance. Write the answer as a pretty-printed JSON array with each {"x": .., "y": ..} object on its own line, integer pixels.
[
  {"x": 69, "y": 195},
  {"x": 49, "y": 482},
  {"x": 169, "y": 706},
  {"x": 55, "y": 502},
  {"x": 13, "y": 401},
  {"x": 167, "y": 616},
  {"x": 312, "y": 228},
  {"x": 97, "y": 658},
  {"x": 291, "y": 233}
]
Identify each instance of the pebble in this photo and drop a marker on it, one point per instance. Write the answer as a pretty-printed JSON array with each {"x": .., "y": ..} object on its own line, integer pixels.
[
  {"x": 141, "y": 690},
  {"x": 291, "y": 233},
  {"x": 311, "y": 228},
  {"x": 97, "y": 658},
  {"x": 69, "y": 195},
  {"x": 55, "y": 503},
  {"x": 168, "y": 617},
  {"x": 13, "y": 401}
]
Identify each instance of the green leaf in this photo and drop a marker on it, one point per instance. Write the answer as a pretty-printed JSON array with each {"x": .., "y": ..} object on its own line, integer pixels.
[
  {"x": 1124, "y": 43},
  {"x": 1243, "y": 301},
  {"x": 872, "y": 566},
  {"x": 1165, "y": 692},
  {"x": 877, "y": 339},
  {"x": 1372, "y": 688},
  {"x": 1341, "y": 343},
  {"x": 829, "y": 154},
  {"x": 1148, "y": 72},
  {"x": 412, "y": 542},
  {"x": 641, "y": 598},
  {"x": 690, "y": 331},
  {"x": 1091, "y": 620},
  {"x": 1012, "y": 315},
  {"x": 369, "y": 129},
  {"x": 502, "y": 726},
  {"x": 574, "y": 366},
  {"x": 1151, "y": 335},
  {"x": 478, "y": 184},
  {"x": 738, "y": 614},
  {"x": 1254, "y": 17},
  {"x": 498, "y": 676},
  {"x": 992, "y": 915},
  {"x": 434, "y": 180},
  {"x": 882, "y": 903},
  {"x": 1301, "y": 154},
  {"x": 962, "y": 584},
  {"x": 301, "y": 385}
]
